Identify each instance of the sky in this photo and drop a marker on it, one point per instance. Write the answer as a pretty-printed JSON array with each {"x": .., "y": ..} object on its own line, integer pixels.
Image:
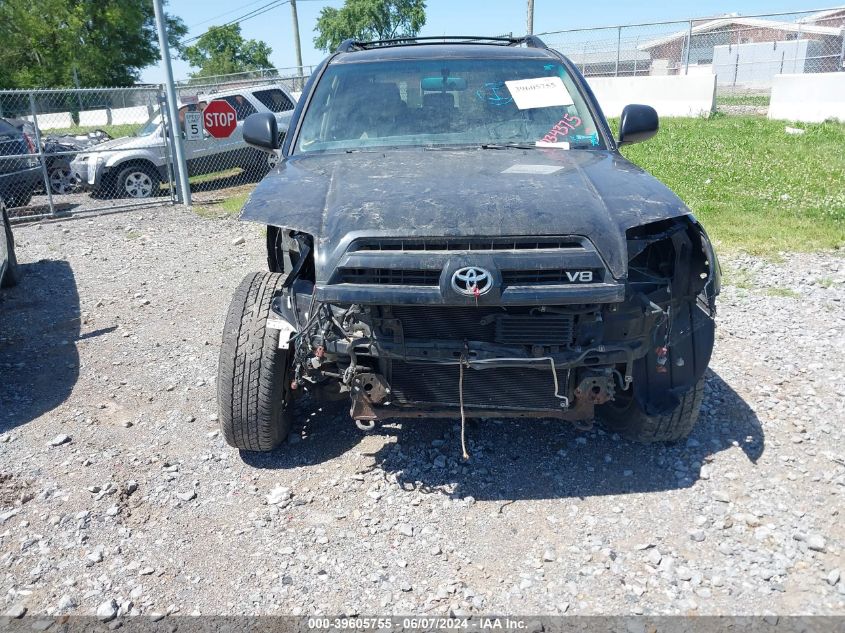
[{"x": 453, "y": 17}]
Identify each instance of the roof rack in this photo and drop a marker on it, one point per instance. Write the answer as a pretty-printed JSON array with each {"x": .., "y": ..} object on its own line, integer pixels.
[{"x": 350, "y": 45}]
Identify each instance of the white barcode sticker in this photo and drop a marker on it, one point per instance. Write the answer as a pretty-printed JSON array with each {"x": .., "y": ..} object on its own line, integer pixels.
[{"x": 541, "y": 92}]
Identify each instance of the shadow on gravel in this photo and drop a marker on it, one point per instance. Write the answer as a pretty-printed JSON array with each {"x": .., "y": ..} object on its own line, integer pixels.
[
  {"x": 525, "y": 459},
  {"x": 322, "y": 432},
  {"x": 39, "y": 327}
]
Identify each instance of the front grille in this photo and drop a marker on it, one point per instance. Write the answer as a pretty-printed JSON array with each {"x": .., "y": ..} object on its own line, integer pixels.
[
  {"x": 545, "y": 329},
  {"x": 485, "y": 324},
  {"x": 389, "y": 276},
  {"x": 473, "y": 244},
  {"x": 554, "y": 276},
  {"x": 497, "y": 388}
]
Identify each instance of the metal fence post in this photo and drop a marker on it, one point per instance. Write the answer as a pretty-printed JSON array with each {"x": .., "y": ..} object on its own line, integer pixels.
[
  {"x": 168, "y": 149},
  {"x": 842, "y": 52},
  {"x": 172, "y": 114},
  {"x": 618, "y": 49},
  {"x": 689, "y": 46},
  {"x": 41, "y": 158}
]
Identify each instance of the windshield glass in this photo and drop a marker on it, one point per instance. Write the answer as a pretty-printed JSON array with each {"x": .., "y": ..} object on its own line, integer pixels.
[
  {"x": 441, "y": 102},
  {"x": 150, "y": 126}
]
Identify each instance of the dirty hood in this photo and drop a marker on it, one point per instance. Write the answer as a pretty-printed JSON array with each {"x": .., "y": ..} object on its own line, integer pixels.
[{"x": 471, "y": 192}]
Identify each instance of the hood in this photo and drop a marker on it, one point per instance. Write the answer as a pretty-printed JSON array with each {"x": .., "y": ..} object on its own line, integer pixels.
[
  {"x": 128, "y": 142},
  {"x": 471, "y": 192}
]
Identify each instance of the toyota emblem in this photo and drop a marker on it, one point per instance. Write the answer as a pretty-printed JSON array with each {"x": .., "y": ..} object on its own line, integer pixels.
[{"x": 471, "y": 281}]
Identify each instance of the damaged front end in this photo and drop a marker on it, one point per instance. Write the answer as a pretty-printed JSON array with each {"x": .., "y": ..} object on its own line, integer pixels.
[{"x": 485, "y": 327}]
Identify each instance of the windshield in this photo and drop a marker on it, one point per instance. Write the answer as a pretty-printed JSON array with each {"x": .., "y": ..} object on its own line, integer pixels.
[
  {"x": 443, "y": 102},
  {"x": 150, "y": 126}
]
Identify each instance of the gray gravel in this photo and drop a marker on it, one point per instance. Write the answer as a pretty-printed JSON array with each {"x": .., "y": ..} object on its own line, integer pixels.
[{"x": 118, "y": 495}]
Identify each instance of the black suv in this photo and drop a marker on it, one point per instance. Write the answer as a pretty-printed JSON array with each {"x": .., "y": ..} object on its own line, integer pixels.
[
  {"x": 452, "y": 231},
  {"x": 20, "y": 172}
]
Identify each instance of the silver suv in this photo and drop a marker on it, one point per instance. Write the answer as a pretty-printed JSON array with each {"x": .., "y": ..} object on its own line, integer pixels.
[{"x": 135, "y": 166}]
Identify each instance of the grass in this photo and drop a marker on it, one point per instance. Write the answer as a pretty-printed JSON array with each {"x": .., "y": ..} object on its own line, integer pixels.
[
  {"x": 777, "y": 291},
  {"x": 224, "y": 208},
  {"x": 115, "y": 131},
  {"x": 758, "y": 101},
  {"x": 754, "y": 187},
  {"x": 217, "y": 175}
]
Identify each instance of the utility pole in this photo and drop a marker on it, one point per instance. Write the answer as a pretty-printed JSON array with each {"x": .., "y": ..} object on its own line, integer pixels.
[
  {"x": 172, "y": 127},
  {"x": 297, "y": 45},
  {"x": 530, "y": 24}
]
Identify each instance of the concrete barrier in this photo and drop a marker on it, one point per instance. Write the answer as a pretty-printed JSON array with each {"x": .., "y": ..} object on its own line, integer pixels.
[
  {"x": 88, "y": 118},
  {"x": 670, "y": 95},
  {"x": 53, "y": 120},
  {"x": 135, "y": 114},
  {"x": 809, "y": 97}
]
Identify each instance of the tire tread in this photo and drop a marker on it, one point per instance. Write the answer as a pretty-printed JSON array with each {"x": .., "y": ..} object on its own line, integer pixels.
[
  {"x": 251, "y": 372},
  {"x": 636, "y": 425}
]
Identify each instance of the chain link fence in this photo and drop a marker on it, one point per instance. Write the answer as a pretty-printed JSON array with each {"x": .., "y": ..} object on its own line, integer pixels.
[
  {"x": 293, "y": 79},
  {"x": 744, "y": 52},
  {"x": 67, "y": 151},
  {"x": 217, "y": 163},
  {"x": 76, "y": 150}
]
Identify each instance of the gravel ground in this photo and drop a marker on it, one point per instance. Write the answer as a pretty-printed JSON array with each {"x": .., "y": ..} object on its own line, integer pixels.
[{"x": 116, "y": 486}]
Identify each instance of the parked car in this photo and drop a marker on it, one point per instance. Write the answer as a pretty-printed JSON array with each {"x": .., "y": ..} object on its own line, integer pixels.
[
  {"x": 21, "y": 176},
  {"x": 452, "y": 231},
  {"x": 136, "y": 166},
  {"x": 56, "y": 148},
  {"x": 8, "y": 262}
]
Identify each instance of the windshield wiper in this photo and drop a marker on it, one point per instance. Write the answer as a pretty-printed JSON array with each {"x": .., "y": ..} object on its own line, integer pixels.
[{"x": 507, "y": 146}]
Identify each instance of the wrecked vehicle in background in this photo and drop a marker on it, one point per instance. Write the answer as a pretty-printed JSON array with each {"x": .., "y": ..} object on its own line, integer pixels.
[
  {"x": 452, "y": 231},
  {"x": 59, "y": 150}
]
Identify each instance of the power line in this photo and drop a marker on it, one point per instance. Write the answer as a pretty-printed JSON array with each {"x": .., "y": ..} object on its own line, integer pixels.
[
  {"x": 254, "y": 13},
  {"x": 225, "y": 13},
  {"x": 250, "y": 14}
]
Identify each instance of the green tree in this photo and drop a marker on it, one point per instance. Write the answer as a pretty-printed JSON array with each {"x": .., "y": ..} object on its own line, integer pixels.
[
  {"x": 368, "y": 20},
  {"x": 222, "y": 50},
  {"x": 106, "y": 42}
]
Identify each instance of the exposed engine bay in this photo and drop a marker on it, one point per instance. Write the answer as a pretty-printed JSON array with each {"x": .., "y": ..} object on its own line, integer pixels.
[{"x": 549, "y": 339}]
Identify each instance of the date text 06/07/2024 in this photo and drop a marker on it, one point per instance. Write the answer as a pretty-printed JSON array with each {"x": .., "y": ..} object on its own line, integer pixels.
[{"x": 417, "y": 623}]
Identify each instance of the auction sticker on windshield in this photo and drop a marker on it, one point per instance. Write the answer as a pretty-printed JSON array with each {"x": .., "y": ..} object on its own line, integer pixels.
[{"x": 541, "y": 92}]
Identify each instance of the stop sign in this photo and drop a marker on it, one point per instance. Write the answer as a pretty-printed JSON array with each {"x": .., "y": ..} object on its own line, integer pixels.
[{"x": 219, "y": 119}]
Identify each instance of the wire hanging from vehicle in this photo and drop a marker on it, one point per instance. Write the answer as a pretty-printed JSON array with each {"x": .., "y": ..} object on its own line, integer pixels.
[{"x": 461, "y": 400}]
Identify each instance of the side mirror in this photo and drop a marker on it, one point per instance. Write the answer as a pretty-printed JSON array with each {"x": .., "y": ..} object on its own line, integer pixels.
[
  {"x": 261, "y": 130},
  {"x": 638, "y": 123}
]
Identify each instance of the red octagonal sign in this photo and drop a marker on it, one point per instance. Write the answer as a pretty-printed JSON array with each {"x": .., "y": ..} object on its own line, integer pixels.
[{"x": 219, "y": 119}]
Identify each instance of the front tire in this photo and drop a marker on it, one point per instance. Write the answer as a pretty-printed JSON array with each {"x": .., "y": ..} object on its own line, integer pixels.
[
  {"x": 138, "y": 181},
  {"x": 62, "y": 180},
  {"x": 625, "y": 416},
  {"x": 252, "y": 381}
]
